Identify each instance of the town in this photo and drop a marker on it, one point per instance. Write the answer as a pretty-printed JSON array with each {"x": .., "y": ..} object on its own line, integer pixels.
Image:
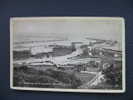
[{"x": 82, "y": 64}]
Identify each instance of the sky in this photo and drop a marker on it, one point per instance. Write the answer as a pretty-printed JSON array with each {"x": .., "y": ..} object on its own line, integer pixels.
[{"x": 72, "y": 29}]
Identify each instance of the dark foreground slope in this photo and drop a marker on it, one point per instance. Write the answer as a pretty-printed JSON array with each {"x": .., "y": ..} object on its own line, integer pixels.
[{"x": 50, "y": 78}]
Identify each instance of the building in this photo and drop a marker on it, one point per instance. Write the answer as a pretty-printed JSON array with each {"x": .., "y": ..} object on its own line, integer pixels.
[{"x": 41, "y": 51}]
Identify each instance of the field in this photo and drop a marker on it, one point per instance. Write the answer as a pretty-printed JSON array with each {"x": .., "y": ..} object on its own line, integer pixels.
[{"x": 50, "y": 78}]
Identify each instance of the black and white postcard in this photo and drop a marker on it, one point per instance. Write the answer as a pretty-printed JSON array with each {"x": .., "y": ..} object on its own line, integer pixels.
[{"x": 67, "y": 54}]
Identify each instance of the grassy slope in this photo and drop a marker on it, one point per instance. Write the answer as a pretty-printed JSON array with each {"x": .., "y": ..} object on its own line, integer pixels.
[{"x": 52, "y": 78}]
